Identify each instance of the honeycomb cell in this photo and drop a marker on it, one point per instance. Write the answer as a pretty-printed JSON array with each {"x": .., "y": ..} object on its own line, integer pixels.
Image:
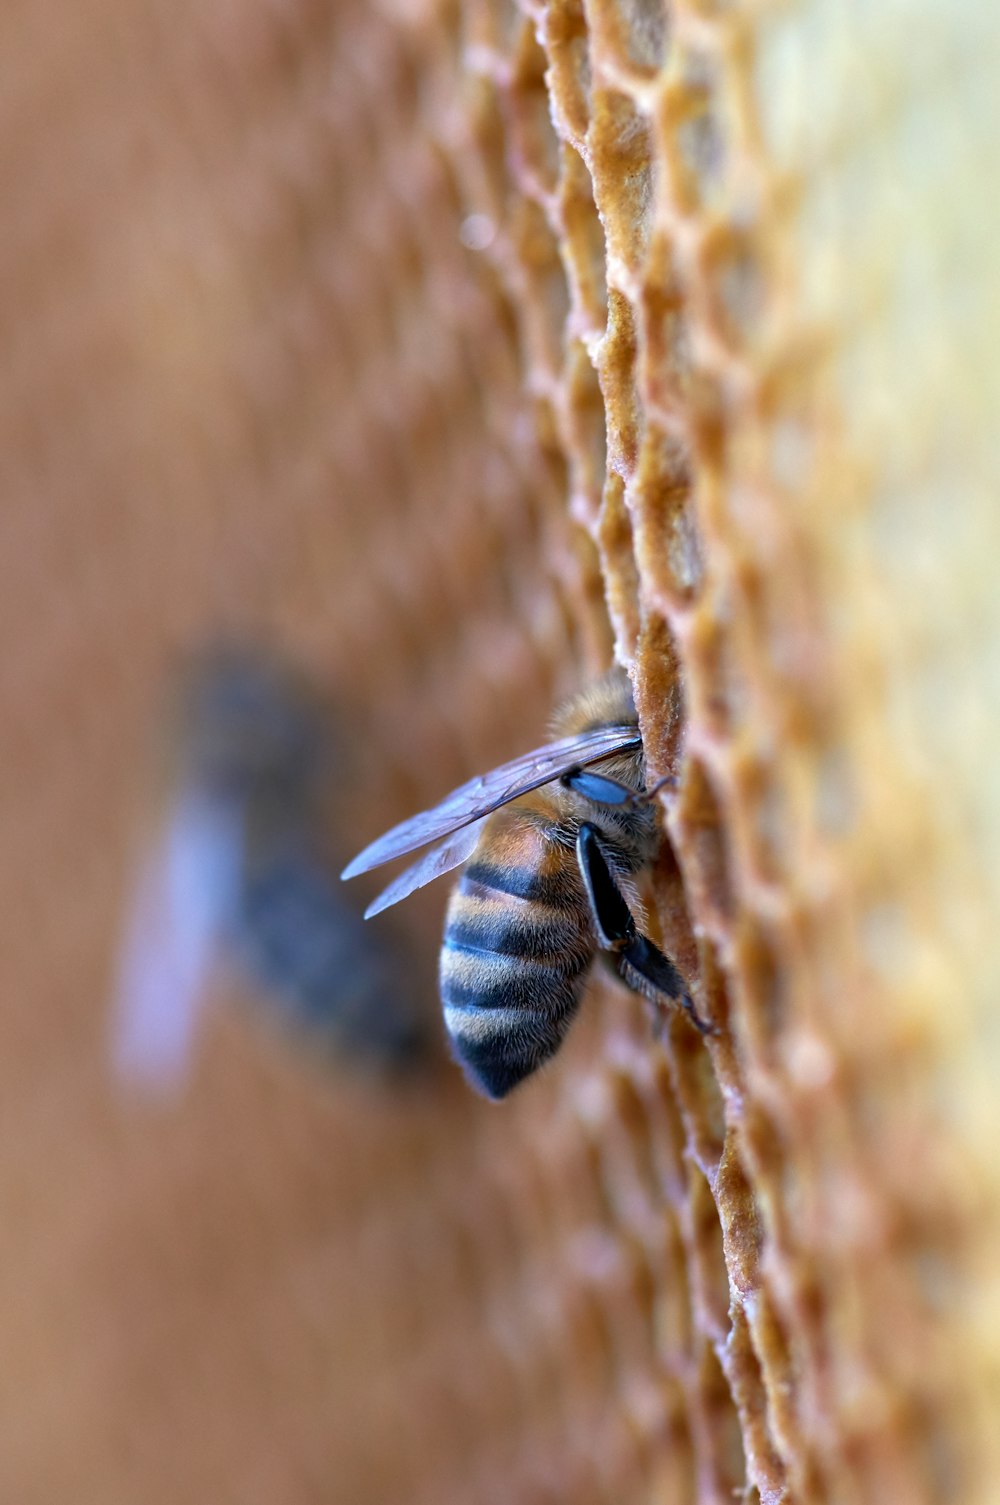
[
  {"x": 482, "y": 167},
  {"x": 489, "y": 34},
  {"x": 765, "y": 831},
  {"x": 699, "y": 1095},
  {"x": 630, "y": 37},
  {"x": 764, "y": 1465},
  {"x": 667, "y": 538},
  {"x": 616, "y": 369},
  {"x": 665, "y": 349},
  {"x": 632, "y": 1127},
  {"x": 667, "y": 1131},
  {"x": 659, "y": 697},
  {"x": 742, "y": 1235},
  {"x": 614, "y": 540},
  {"x": 590, "y": 1336},
  {"x": 764, "y": 1002},
  {"x": 709, "y": 1273},
  {"x": 534, "y": 143},
  {"x": 734, "y": 274},
  {"x": 721, "y": 1440},
  {"x": 636, "y": 1294},
  {"x": 689, "y": 113},
  {"x": 720, "y": 699},
  {"x": 674, "y": 1474},
  {"x": 583, "y": 248},
  {"x": 567, "y": 47},
  {"x": 544, "y": 290},
  {"x": 762, "y": 1149},
  {"x": 619, "y": 144},
  {"x": 586, "y": 434},
  {"x": 703, "y": 831}
]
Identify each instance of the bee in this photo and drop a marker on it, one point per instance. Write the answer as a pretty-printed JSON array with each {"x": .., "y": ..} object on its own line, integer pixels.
[
  {"x": 552, "y": 847},
  {"x": 239, "y": 877}
]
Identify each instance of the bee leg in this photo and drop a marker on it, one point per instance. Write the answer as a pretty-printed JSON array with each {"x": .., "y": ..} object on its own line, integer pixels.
[
  {"x": 640, "y": 963},
  {"x": 602, "y": 790}
]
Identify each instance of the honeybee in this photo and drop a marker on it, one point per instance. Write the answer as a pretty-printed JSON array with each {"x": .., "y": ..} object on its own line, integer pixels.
[
  {"x": 551, "y": 848},
  {"x": 239, "y": 877}
]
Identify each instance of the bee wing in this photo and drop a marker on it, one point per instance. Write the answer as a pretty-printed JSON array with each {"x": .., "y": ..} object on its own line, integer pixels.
[
  {"x": 440, "y": 859},
  {"x": 489, "y": 791},
  {"x": 183, "y": 902}
]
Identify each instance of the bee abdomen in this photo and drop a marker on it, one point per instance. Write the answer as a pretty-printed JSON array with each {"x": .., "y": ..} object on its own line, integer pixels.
[
  {"x": 534, "y": 934},
  {"x": 511, "y": 977},
  {"x": 504, "y": 1016}
]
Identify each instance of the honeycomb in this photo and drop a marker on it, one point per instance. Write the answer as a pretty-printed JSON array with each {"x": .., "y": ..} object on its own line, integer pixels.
[{"x": 453, "y": 346}]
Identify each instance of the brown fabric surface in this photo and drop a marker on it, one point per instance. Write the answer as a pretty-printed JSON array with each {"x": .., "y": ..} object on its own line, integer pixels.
[{"x": 448, "y": 348}]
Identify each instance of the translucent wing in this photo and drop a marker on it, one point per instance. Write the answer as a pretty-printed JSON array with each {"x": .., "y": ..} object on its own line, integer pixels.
[
  {"x": 491, "y": 790},
  {"x": 183, "y": 901},
  {"x": 440, "y": 859}
]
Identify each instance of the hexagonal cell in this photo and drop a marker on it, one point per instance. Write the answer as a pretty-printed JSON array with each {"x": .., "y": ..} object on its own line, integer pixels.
[
  {"x": 672, "y": 1310},
  {"x": 667, "y": 1143},
  {"x": 576, "y": 571},
  {"x": 633, "y": 1130},
  {"x": 630, "y": 36},
  {"x": 616, "y": 370},
  {"x": 734, "y": 285},
  {"x": 713, "y": 1004},
  {"x": 741, "y": 1230},
  {"x": 763, "y": 813},
  {"x": 836, "y": 797},
  {"x": 777, "y": 1370},
  {"x": 483, "y": 169},
  {"x": 585, "y": 424},
  {"x": 659, "y": 697},
  {"x": 704, "y": 843},
  {"x": 762, "y": 989},
  {"x": 589, "y": 1331},
  {"x": 692, "y": 133},
  {"x": 709, "y": 1276},
  {"x": 567, "y": 43},
  {"x": 668, "y": 544},
  {"x": 777, "y": 1182},
  {"x": 583, "y": 246},
  {"x": 937, "y": 1459},
  {"x": 488, "y": 32},
  {"x": 750, "y": 1396},
  {"x": 636, "y": 1285},
  {"x": 674, "y": 1471},
  {"x": 594, "y": 1189},
  {"x": 665, "y": 346},
  {"x": 698, "y": 1094},
  {"x": 722, "y": 1457},
  {"x": 614, "y": 541},
  {"x": 621, "y": 154},
  {"x": 545, "y": 306},
  {"x": 716, "y": 690},
  {"x": 534, "y": 143},
  {"x": 618, "y": 1453}
]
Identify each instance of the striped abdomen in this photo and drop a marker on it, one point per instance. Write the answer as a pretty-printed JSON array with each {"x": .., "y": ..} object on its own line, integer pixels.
[{"x": 517, "y": 943}]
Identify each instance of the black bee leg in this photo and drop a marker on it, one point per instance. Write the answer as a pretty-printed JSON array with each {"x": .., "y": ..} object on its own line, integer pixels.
[
  {"x": 601, "y": 790},
  {"x": 639, "y": 963}
]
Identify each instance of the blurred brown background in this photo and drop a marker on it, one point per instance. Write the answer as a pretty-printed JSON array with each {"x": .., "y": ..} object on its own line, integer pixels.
[
  {"x": 262, "y": 374},
  {"x": 254, "y": 384}
]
